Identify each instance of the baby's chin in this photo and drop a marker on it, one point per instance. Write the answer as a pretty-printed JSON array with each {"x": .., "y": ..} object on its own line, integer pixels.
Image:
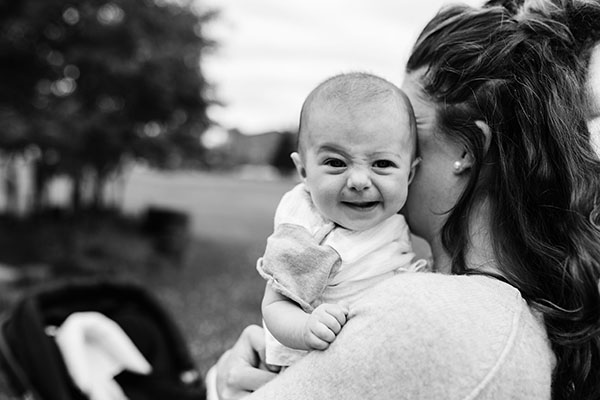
[{"x": 359, "y": 226}]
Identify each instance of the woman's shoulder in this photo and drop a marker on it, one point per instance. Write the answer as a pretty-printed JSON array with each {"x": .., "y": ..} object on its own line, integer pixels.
[
  {"x": 468, "y": 334},
  {"x": 440, "y": 296},
  {"x": 485, "y": 310},
  {"x": 429, "y": 336},
  {"x": 444, "y": 304}
]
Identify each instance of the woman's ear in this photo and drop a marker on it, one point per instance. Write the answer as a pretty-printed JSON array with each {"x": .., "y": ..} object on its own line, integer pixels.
[
  {"x": 487, "y": 134},
  {"x": 299, "y": 165},
  {"x": 413, "y": 168},
  {"x": 465, "y": 162}
]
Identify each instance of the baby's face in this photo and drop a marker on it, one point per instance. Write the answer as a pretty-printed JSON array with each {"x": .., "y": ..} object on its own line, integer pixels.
[{"x": 358, "y": 163}]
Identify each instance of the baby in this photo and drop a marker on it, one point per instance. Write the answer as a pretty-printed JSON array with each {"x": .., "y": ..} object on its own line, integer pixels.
[{"x": 339, "y": 232}]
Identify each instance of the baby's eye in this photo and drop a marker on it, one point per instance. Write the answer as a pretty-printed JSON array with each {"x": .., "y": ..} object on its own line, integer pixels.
[
  {"x": 334, "y": 163},
  {"x": 383, "y": 164}
]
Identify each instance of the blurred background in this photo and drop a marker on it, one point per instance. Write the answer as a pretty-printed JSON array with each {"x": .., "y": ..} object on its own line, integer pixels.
[{"x": 149, "y": 140}]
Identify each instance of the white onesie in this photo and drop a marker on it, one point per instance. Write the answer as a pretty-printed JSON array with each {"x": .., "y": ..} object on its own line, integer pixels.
[{"x": 311, "y": 260}]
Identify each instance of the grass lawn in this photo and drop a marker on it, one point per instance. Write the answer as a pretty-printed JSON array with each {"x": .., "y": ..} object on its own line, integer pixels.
[{"x": 214, "y": 292}]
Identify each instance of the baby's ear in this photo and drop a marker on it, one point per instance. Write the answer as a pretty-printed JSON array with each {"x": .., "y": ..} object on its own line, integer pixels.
[
  {"x": 299, "y": 165},
  {"x": 413, "y": 169}
]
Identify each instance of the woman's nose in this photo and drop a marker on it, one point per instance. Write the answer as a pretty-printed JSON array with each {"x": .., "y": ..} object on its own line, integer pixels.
[{"x": 358, "y": 179}]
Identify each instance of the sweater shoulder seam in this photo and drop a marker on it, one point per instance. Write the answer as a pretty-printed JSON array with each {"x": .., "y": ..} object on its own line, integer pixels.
[{"x": 508, "y": 346}]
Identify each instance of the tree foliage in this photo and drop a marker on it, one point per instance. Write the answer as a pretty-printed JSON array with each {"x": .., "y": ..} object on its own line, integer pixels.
[{"x": 91, "y": 83}]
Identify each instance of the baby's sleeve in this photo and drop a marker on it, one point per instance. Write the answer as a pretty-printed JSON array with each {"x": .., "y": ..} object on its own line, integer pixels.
[{"x": 297, "y": 266}]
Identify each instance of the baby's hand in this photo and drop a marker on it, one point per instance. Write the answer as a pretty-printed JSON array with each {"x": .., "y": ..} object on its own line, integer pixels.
[{"x": 323, "y": 325}]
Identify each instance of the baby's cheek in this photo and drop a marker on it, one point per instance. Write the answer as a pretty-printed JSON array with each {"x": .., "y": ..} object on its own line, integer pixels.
[{"x": 396, "y": 195}]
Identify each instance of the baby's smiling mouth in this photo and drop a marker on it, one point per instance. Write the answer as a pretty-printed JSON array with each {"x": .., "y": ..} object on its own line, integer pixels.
[{"x": 361, "y": 205}]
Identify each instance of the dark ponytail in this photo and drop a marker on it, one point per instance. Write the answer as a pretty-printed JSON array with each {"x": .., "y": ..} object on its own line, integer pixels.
[{"x": 524, "y": 72}]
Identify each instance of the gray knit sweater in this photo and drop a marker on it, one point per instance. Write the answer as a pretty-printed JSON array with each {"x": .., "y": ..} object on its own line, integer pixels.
[{"x": 429, "y": 336}]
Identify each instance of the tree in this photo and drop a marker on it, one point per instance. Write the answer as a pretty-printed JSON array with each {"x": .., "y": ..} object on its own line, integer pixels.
[{"x": 92, "y": 83}]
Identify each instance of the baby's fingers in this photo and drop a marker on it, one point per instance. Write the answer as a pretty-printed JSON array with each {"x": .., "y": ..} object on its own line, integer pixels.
[
  {"x": 336, "y": 311},
  {"x": 331, "y": 324},
  {"x": 323, "y": 333}
]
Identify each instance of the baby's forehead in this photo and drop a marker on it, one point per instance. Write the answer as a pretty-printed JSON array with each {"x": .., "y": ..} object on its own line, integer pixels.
[
  {"x": 389, "y": 101},
  {"x": 337, "y": 112},
  {"x": 329, "y": 130},
  {"x": 377, "y": 138},
  {"x": 392, "y": 146},
  {"x": 357, "y": 98}
]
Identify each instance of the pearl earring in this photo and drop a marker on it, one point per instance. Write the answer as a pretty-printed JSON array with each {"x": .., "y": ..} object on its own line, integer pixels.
[{"x": 457, "y": 166}]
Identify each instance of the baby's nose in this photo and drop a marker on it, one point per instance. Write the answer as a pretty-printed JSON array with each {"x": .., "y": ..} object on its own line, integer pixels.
[{"x": 359, "y": 179}]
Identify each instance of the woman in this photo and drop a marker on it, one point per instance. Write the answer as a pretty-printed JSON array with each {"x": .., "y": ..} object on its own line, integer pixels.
[{"x": 508, "y": 197}]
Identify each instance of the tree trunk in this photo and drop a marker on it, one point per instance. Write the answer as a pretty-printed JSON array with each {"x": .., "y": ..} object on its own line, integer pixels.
[
  {"x": 40, "y": 185},
  {"x": 76, "y": 192},
  {"x": 11, "y": 187},
  {"x": 98, "y": 192}
]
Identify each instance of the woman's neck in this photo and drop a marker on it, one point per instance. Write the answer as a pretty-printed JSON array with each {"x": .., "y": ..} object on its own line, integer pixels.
[
  {"x": 442, "y": 261},
  {"x": 480, "y": 252}
]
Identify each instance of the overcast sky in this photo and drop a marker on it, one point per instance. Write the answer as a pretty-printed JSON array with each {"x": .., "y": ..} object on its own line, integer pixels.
[{"x": 273, "y": 52}]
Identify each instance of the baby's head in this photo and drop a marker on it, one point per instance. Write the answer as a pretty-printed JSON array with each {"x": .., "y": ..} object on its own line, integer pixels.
[{"x": 357, "y": 149}]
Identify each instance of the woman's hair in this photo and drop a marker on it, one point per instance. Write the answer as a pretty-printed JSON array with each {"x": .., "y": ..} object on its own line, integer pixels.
[{"x": 523, "y": 72}]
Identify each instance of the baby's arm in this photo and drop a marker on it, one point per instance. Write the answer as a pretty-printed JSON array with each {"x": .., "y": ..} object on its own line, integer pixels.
[{"x": 296, "y": 329}]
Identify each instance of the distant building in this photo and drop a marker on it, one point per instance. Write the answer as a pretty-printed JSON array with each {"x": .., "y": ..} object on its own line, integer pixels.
[
  {"x": 253, "y": 149},
  {"x": 230, "y": 149}
]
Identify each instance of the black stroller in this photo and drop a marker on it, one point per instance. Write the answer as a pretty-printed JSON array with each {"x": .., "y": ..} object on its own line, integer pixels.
[{"x": 32, "y": 363}]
